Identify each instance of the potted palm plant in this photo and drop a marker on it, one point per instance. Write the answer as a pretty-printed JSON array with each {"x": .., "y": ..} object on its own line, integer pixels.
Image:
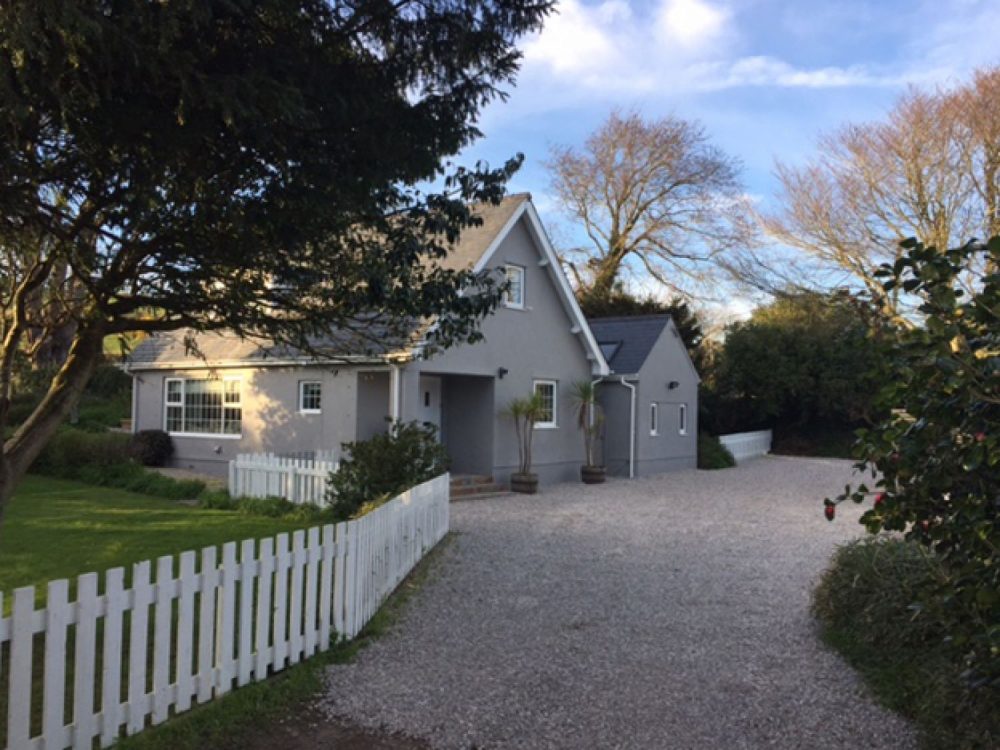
[
  {"x": 589, "y": 418},
  {"x": 525, "y": 412}
]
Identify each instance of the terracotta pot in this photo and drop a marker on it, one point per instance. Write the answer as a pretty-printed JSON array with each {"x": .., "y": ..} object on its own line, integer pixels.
[
  {"x": 524, "y": 483},
  {"x": 593, "y": 474}
]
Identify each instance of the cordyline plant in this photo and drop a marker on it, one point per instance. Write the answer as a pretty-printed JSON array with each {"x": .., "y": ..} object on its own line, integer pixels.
[
  {"x": 249, "y": 165},
  {"x": 935, "y": 460},
  {"x": 525, "y": 412}
]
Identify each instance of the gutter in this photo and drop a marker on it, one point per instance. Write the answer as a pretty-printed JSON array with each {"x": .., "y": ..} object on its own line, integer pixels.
[{"x": 631, "y": 431}]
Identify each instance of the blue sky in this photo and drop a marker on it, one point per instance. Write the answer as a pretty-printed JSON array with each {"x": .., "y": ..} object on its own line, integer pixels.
[{"x": 765, "y": 77}]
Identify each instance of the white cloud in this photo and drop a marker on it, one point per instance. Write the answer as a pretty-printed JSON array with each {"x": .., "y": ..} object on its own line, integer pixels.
[
  {"x": 676, "y": 45},
  {"x": 692, "y": 23},
  {"x": 576, "y": 39}
]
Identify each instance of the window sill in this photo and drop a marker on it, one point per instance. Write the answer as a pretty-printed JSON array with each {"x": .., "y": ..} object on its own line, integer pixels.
[
  {"x": 214, "y": 436},
  {"x": 546, "y": 426},
  {"x": 519, "y": 308},
  {"x": 310, "y": 411}
]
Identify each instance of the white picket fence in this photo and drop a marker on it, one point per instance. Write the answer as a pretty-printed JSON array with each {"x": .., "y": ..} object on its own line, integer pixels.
[
  {"x": 119, "y": 659},
  {"x": 744, "y": 445},
  {"x": 298, "y": 480}
]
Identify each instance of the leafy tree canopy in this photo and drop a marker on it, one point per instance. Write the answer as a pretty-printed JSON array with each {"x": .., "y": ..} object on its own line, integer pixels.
[
  {"x": 935, "y": 458},
  {"x": 240, "y": 164},
  {"x": 805, "y": 356}
]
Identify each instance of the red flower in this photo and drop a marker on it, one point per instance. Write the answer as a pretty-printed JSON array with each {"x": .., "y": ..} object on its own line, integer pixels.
[
  {"x": 830, "y": 511},
  {"x": 980, "y": 437},
  {"x": 879, "y": 499}
]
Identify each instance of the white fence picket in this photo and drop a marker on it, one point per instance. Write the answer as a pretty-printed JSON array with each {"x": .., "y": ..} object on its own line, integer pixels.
[
  {"x": 111, "y": 672},
  {"x": 84, "y": 669},
  {"x": 187, "y": 583},
  {"x": 54, "y": 695},
  {"x": 298, "y": 480},
  {"x": 744, "y": 445},
  {"x": 230, "y": 621}
]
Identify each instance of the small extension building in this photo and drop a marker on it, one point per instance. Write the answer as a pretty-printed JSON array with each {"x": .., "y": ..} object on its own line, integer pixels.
[{"x": 650, "y": 399}]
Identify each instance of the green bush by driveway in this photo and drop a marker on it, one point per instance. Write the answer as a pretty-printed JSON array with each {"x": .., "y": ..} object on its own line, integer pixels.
[{"x": 868, "y": 604}]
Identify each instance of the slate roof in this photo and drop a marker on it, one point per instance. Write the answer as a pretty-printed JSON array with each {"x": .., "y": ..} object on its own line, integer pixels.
[
  {"x": 627, "y": 341},
  {"x": 173, "y": 347}
]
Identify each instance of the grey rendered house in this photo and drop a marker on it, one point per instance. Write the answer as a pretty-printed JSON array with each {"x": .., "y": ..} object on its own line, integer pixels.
[
  {"x": 650, "y": 400},
  {"x": 243, "y": 396}
]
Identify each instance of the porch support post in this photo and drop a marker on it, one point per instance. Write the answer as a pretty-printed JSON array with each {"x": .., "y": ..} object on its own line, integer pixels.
[{"x": 395, "y": 392}]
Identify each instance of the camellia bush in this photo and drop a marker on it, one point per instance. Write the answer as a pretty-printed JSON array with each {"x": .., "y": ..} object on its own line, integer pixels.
[{"x": 935, "y": 460}]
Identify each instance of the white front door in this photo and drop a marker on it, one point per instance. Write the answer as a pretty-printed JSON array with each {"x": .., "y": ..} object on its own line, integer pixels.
[{"x": 430, "y": 401}]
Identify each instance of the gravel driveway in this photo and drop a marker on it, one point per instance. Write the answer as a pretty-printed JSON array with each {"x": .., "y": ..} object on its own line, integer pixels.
[{"x": 667, "y": 612}]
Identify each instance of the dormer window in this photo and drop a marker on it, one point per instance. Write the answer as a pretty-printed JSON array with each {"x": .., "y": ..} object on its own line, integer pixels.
[{"x": 514, "y": 296}]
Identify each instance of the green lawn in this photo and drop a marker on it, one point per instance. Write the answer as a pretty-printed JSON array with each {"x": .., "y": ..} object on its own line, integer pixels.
[{"x": 60, "y": 529}]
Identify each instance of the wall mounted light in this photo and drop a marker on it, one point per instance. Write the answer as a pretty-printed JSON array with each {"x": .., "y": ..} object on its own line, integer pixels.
[
  {"x": 501, "y": 372},
  {"x": 672, "y": 384}
]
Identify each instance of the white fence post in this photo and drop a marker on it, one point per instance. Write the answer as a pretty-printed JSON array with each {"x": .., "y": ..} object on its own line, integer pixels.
[{"x": 236, "y": 620}]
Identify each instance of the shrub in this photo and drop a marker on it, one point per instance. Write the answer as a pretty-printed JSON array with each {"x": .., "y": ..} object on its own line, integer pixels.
[
  {"x": 935, "y": 460},
  {"x": 712, "y": 454},
  {"x": 869, "y": 606},
  {"x": 151, "y": 447},
  {"x": 71, "y": 449},
  {"x": 272, "y": 507},
  {"x": 102, "y": 458},
  {"x": 375, "y": 470}
]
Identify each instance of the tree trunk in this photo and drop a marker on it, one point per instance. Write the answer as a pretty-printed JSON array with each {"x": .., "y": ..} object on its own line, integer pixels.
[{"x": 20, "y": 451}]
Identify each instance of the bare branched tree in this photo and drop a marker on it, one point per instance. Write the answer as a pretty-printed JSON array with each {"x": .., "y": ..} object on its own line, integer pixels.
[
  {"x": 653, "y": 192},
  {"x": 929, "y": 170}
]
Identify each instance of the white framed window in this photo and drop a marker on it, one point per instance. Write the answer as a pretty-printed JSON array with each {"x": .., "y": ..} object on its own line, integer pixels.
[
  {"x": 207, "y": 407},
  {"x": 654, "y": 419},
  {"x": 514, "y": 296},
  {"x": 548, "y": 393},
  {"x": 682, "y": 419},
  {"x": 310, "y": 396}
]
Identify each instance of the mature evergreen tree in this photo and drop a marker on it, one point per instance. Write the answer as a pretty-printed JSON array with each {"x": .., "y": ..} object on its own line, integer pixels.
[{"x": 241, "y": 164}]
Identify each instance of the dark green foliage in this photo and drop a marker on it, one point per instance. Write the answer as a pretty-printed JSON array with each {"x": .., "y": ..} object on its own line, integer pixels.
[
  {"x": 71, "y": 449},
  {"x": 277, "y": 168},
  {"x": 376, "y": 470},
  {"x": 803, "y": 358},
  {"x": 867, "y": 605},
  {"x": 151, "y": 447},
  {"x": 935, "y": 459},
  {"x": 102, "y": 459},
  {"x": 109, "y": 381},
  {"x": 712, "y": 454},
  {"x": 820, "y": 438}
]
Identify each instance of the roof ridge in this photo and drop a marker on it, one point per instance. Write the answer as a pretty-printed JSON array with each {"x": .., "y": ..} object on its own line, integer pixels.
[{"x": 618, "y": 318}]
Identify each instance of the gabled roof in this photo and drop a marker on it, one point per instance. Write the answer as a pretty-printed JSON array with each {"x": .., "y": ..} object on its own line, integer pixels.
[
  {"x": 474, "y": 250},
  {"x": 627, "y": 341}
]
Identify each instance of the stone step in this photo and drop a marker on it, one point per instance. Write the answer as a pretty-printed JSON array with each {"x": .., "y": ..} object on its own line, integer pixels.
[
  {"x": 464, "y": 480},
  {"x": 475, "y": 490}
]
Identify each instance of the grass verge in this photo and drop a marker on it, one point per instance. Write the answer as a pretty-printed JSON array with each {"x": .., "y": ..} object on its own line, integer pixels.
[
  {"x": 864, "y": 603},
  {"x": 56, "y": 528},
  {"x": 228, "y": 722}
]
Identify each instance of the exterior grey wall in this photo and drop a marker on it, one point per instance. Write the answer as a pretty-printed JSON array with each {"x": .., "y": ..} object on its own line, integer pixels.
[
  {"x": 534, "y": 343},
  {"x": 373, "y": 403},
  {"x": 468, "y": 413},
  {"x": 669, "y": 450},
  {"x": 615, "y": 400},
  {"x": 271, "y": 419}
]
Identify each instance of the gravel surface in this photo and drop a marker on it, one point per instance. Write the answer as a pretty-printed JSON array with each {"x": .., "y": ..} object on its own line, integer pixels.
[{"x": 665, "y": 612}]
